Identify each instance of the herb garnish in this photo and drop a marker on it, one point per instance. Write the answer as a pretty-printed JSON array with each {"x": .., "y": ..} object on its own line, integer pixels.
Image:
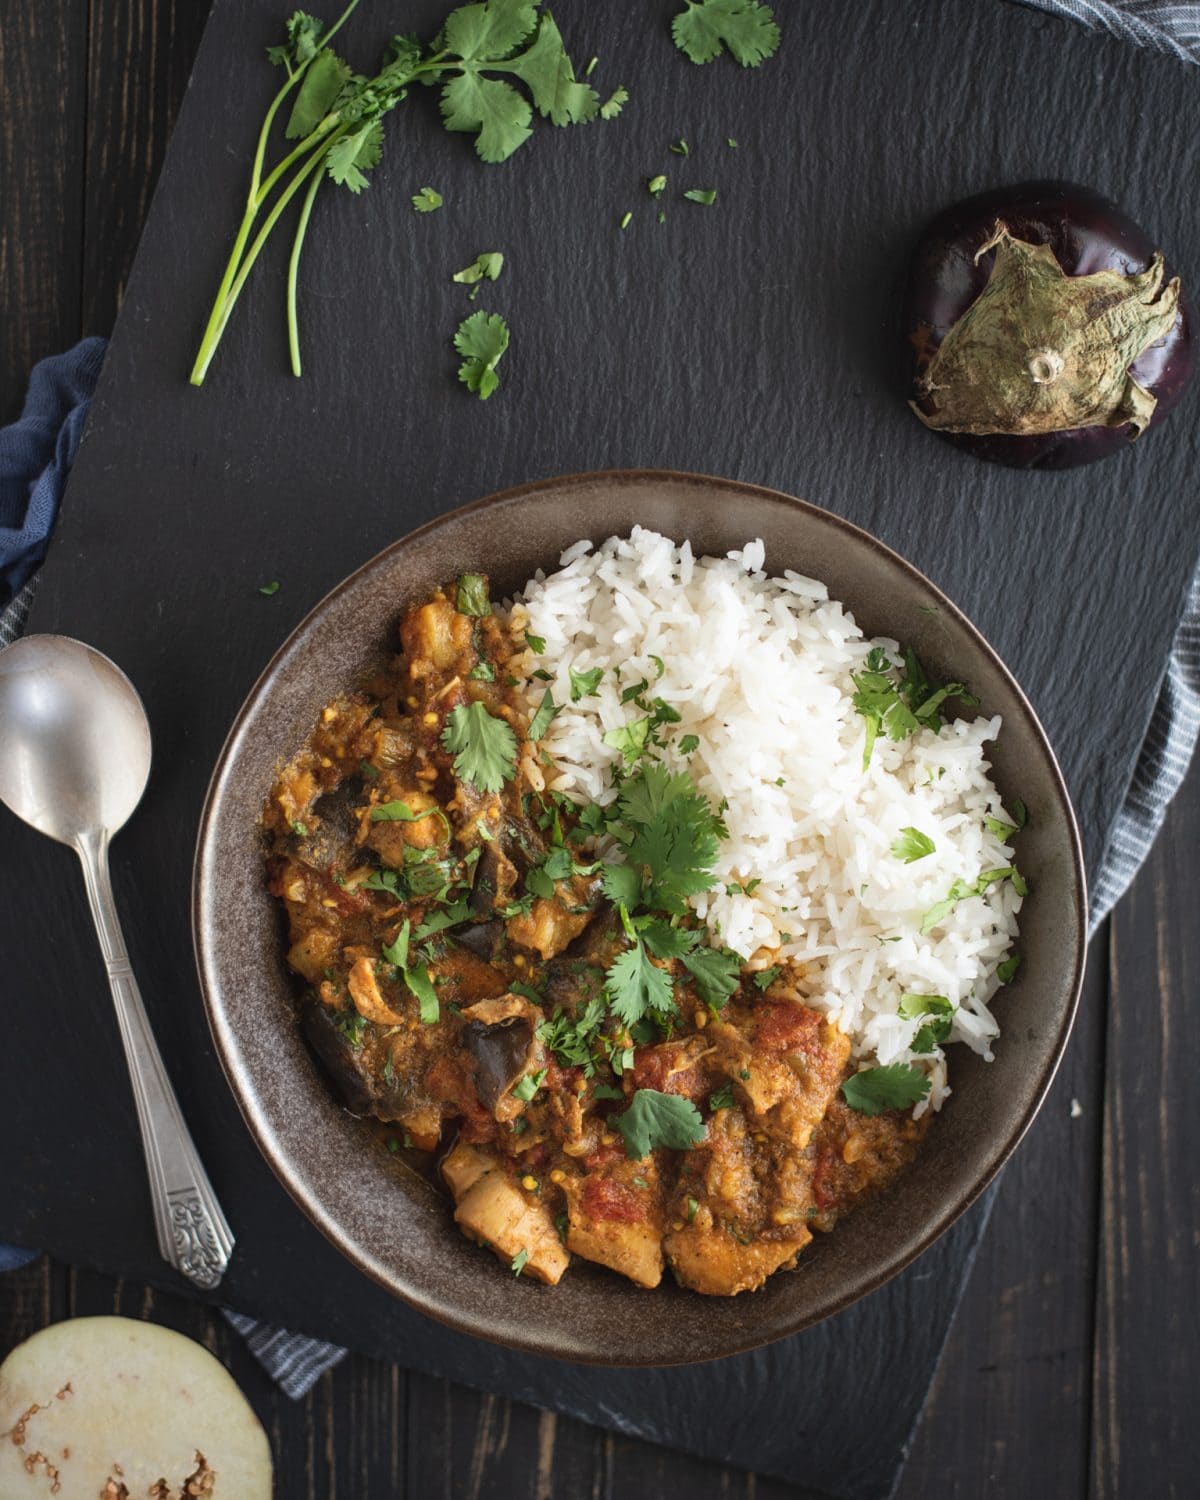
[
  {"x": 519, "y": 1261},
  {"x": 481, "y": 339},
  {"x": 584, "y": 684},
  {"x": 1006, "y": 972},
  {"x": 707, "y": 27},
  {"x": 898, "y": 701},
  {"x": 471, "y": 595},
  {"x": 427, "y": 200},
  {"x": 912, "y": 845},
  {"x": 722, "y": 1098},
  {"x": 654, "y": 1119},
  {"x": 415, "y": 978},
  {"x": 486, "y": 266},
  {"x": 544, "y": 717},
  {"x": 961, "y": 889},
  {"x": 529, "y": 1085},
  {"x": 707, "y": 196},
  {"x": 935, "y": 1031},
  {"x": 898, "y": 1086},
  {"x": 656, "y": 185},
  {"x": 484, "y": 747},
  {"x": 269, "y": 588}
]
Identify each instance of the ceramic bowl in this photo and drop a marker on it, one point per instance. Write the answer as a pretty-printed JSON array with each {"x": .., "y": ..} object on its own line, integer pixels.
[{"x": 393, "y": 1224}]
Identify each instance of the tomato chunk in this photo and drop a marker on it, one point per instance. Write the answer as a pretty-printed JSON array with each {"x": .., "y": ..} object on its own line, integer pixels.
[{"x": 605, "y": 1199}]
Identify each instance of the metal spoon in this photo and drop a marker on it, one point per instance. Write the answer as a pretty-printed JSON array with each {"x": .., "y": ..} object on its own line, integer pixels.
[{"x": 74, "y": 761}]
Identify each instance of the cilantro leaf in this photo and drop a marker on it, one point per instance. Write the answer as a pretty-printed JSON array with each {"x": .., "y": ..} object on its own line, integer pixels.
[
  {"x": 571, "y": 1040},
  {"x": 529, "y": 1085},
  {"x": 471, "y": 595},
  {"x": 1003, "y": 831},
  {"x": 481, "y": 339},
  {"x": 484, "y": 747},
  {"x": 614, "y": 104},
  {"x": 656, "y": 185},
  {"x": 689, "y": 744},
  {"x": 635, "y": 986},
  {"x": 427, "y": 200},
  {"x": 714, "y": 972},
  {"x": 707, "y": 27},
  {"x": 544, "y": 717},
  {"x": 934, "y": 1032},
  {"x": 722, "y": 1098},
  {"x": 707, "y": 196},
  {"x": 898, "y": 1086},
  {"x": 416, "y": 978},
  {"x": 486, "y": 266},
  {"x": 349, "y": 159},
  {"x": 629, "y": 739},
  {"x": 519, "y": 1261},
  {"x": 622, "y": 885},
  {"x": 898, "y": 701},
  {"x": 654, "y": 1119},
  {"x": 584, "y": 684},
  {"x": 269, "y": 588},
  {"x": 665, "y": 941},
  {"x": 400, "y": 812},
  {"x": 324, "y": 80},
  {"x": 912, "y": 845}
]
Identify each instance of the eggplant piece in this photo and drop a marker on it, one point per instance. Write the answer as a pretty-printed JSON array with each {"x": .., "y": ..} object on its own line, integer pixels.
[
  {"x": 355, "y": 1071},
  {"x": 1045, "y": 329},
  {"x": 479, "y": 938},
  {"x": 494, "y": 882},
  {"x": 501, "y": 1055}
]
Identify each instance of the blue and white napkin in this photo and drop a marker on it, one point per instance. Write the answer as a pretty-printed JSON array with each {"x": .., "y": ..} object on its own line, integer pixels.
[{"x": 36, "y": 454}]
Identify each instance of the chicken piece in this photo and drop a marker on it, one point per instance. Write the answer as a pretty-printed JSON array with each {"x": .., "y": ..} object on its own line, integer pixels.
[
  {"x": 614, "y": 1221},
  {"x": 548, "y": 928},
  {"x": 707, "y": 1258},
  {"x": 365, "y": 992},
  {"x": 760, "y": 1079},
  {"x": 491, "y": 1208}
]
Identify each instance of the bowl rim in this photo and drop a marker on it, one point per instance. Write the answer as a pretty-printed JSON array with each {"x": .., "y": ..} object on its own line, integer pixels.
[{"x": 225, "y": 1041}]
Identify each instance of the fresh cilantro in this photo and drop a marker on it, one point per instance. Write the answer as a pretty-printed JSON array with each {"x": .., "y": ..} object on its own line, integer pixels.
[
  {"x": 484, "y": 747},
  {"x": 471, "y": 595},
  {"x": 614, "y": 104},
  {"x": 269, "y": 588},
  {"x": 731, "y": 143},
  {"x": 440, "y": 921},
  {"x": 572, "y": 1040},
  {"x": 912, "y": 845},
  {"x": 400, "y": 812},
  {"x": 707, "y": 27},
  {"x": 584, "y": 684},
  {"x": 934, "y": 1032},
  {"x": 607, "y": 1091},
  {"x": 714, "y": 972},
  {"x": 484, "y": 267},
  {"x": 519, "y": 1262},
  {"x": 368, "y": 770},
  {"x": 482, "y": 672},
  {"x": 427, "y": 200},
  {"x": 544, "y": 717},
  {"x": 415, "y": 978},
  {"x": 1003, "y": 831},
  {"x": 722, "y": 1099},
  {"x": 481, "y": 339},
  {"x": 680, "y": 147},
  {"x": 626, "y": 220},
  {"x": 527, "y": 990},
  {"x": 663, "y": 940},
  {"x": 693, "y": 1208},
  {"x": 654, "y": 1120},
  {"x": 1006, "y": 972},
  {"x": 636, "y": 986},
  {"x": 655, "y": 186},
  {"x": 1019, "y": 812},
  {"x": 707, "y": 196},
  {"x": 898, "y": 1086},
  {"x": 689, "y": 744},
  {"x": 352, "y": 1026},
  {"x": 672, "y": 834},
  {"x": 536, "y": 643},
  {"x": 635, "y": 692},
  {"x": 529, "y": 1085},
  {"x": 765, "y": 978},
  {"x": 898, "y": 701},
  {"x": 390, "y": 881},
  {"x": 629, "y": 739},
  {"x": 299, "y": 829}
]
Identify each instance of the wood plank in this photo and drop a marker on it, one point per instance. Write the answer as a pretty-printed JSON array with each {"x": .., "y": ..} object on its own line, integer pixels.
[
  {"x": 139, "y": 57},
  {"x": 1008, "y": 1412},
  {"x": 42, "y": 53},
  {"x": 1146, "y": 1437}
]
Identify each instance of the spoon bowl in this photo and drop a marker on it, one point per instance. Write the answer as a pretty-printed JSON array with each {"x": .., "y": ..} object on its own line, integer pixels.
[{"x": 74, "y": 738}]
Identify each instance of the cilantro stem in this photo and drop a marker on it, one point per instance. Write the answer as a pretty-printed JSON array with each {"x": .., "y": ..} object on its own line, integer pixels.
[
  {"x": 294, "y": 266},
  {"x": 222, "y": 312}
]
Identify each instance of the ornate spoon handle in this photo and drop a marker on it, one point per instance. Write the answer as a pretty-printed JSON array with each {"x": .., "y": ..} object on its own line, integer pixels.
[{"x": 193, "y": 1235}]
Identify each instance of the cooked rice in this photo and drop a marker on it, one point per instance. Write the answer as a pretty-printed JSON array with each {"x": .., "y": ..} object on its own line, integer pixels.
[{"x": 759, "y": 670}]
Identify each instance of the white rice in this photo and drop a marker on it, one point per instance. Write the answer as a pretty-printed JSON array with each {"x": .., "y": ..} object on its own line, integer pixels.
[{"x": 759, "y": 670}]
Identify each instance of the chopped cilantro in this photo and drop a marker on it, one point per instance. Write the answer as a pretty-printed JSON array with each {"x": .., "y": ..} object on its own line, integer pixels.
[
  {"x": 484, "y": 267},
  {"x": 535, "y": 643},
  {"x": 482, "y": 672},
  {"x": 471, "y": 595},
  {"x": 584, "y": 684},
  {"x": 898, "y": 701},
  {"x": 427, "y": 200},
  {"x": 707, "y": 196},
  {"x": 1019, "y": 812},
  {"x": 765, "y": 978},
  {"x": 571, "y": 1040},
  {"x": 519, "y": 1261},
  {"x": 484, "y": 747},
  {"x": 614, "y": 104},
  {"x": 269, "y": 588},
  {"x": 607, "y": 1091},
  {"x": 352, "y": 1026},
  {"x": 368, "y": 770},
  {"x": 299, "y": 829},
  {"x": 482, "y": 340},
  {"x": 439, "y": 921},
  {"x": 529, "y": 1085},
  {"x": 912, "y": 845},
  {"x": 689, "y": 744},
  {"x": 400, "y": 812},
  {"x": 714, "y": 972},
  {"x": 635, "y": 986},
  {"x": 898, "y": 1086},
  {"x": 934, "y": 1032},
  {"x": 722, "y": 1098},
  {"x": 416, "y": 978},
  {"x": 1006, "y": 971},
  {"x": 544, "y": 717},
  {"x": 629, "y": 739},
  {"x": 655, "y": 186},
  {"x": 707, "y": 27},
  {"x": 654, "y": 1119},
  {"x": 1003, "y": 831},
  {"x": 680, "y": 147},
  {"x": 693, "y": 1208},
  {"x": 626, "y": 220}
]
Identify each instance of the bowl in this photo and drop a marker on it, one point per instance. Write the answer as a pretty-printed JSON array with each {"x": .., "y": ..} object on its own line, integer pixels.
[{"x": 387, "y": 1219}]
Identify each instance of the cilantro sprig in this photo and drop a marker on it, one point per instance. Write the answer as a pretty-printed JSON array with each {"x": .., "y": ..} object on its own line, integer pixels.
[
  {"x": 482, "y": 340},
  {"x": 654, "y": 1119},
  {"x": 707, "y": 27},
  {"x": 484, "y": 747},
  {"x": 897, "y": 1086},
  {"x": 898, "y": 700},
  {"x": 495, "y": 63}
]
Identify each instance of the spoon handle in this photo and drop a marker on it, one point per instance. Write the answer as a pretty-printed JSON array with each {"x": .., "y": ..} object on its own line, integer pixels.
[{"x": 193, "y": 1234}]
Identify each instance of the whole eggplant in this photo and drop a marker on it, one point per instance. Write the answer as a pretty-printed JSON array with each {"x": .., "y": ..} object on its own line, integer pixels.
[{"x": 1086, "y": 234}]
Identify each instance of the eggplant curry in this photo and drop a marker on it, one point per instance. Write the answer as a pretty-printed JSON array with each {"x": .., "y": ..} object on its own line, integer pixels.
[{"x": 516, "y": 987}]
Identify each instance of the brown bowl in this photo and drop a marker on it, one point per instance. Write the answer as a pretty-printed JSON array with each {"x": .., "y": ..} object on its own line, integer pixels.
[{"x": 394, "y": 1225}]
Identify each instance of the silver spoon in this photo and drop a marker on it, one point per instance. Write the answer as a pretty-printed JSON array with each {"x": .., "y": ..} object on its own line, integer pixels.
[{"x": 74, "y": 761}]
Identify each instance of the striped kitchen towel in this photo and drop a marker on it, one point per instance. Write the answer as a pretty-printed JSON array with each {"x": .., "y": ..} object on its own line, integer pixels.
[{"x": 1174, "y": 29}]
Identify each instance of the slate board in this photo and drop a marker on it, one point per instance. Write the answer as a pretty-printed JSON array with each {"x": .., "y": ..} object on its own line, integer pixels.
[{"x": 753, "y": 339}]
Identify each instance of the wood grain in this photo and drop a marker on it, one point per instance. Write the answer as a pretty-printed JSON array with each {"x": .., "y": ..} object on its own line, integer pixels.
[
  {"x": 1147, "y": 1439},
  {"x": 42, "y": 110}
]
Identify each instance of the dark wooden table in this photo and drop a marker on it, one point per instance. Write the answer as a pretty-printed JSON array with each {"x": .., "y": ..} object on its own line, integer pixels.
[{"x": 1072, "y": 1367}]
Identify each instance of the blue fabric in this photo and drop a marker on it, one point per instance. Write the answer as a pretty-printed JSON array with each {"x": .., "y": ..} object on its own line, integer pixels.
[{"x": 36, "y": 455}]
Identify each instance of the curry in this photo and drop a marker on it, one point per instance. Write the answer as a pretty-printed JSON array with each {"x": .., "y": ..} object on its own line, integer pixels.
[{"x": 584, "y": 1074}]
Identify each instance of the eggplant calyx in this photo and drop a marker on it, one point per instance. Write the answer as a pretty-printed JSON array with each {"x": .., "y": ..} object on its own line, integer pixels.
[{"x": 1039, "y": 351}]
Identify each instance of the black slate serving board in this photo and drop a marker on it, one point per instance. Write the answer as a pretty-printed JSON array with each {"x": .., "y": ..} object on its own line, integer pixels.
[{"x": 753, "y": 339}]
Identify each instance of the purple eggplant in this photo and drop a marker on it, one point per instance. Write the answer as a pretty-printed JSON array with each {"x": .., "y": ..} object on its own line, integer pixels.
[{"x": 1045, "y": 329}]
